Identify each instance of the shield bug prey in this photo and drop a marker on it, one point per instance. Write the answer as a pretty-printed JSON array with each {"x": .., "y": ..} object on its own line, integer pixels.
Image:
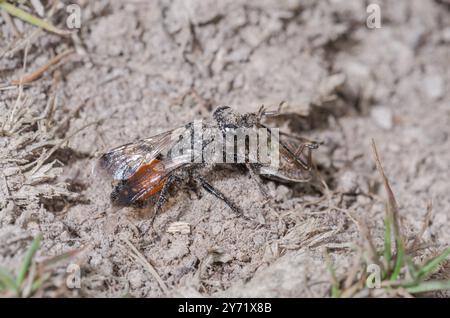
[{"x": 143, "y": 171}]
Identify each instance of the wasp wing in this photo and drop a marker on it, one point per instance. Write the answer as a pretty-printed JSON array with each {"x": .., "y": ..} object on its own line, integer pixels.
[
  {"x": 124, "y": 161},
  {"x": 148, "y": 180},
  {"x": 140, "y": 169}
]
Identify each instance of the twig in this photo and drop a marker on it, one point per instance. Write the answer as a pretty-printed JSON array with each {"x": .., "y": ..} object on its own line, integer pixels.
[
  {"x": 144, "y": 263},
  {"x": 38, "y": 73}
]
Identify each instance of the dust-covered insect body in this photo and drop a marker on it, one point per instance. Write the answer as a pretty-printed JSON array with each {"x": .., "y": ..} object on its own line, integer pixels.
[{"x": 143, "y": 171}]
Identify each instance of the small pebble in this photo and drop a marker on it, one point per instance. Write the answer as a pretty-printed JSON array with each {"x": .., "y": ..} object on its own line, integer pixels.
[
  {"x": 382, "y": 117},
  {"x": 348, "y": 182},
  {"x": 136, "y": 278},
  {"x": 434, "y": 86}
]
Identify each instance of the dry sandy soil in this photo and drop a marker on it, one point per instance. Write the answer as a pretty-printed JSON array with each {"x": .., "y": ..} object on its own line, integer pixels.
[{"x": 143, "y": 67}]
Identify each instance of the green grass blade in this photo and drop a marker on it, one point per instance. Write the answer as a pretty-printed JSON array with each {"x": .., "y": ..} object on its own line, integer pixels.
[
  {"x": 27, "y": 260},
  {"x": 31, "y": 19},
  {"x": 7, "y": 280},
  {"x": 412, "y": 268},
  {"x": 37, "y": 284},
  {"x": 429, "y": 286},
  {"x": 387, "y": 242},
  {"x": 399, "y": 261},
  {"x": 433, "y": 264},
  {"x": 62, "y": 257},
  {"x": 335, "y": 291}
]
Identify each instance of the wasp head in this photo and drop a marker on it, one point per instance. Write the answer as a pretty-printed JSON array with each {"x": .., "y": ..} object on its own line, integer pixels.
[{"x": 227, "y": 118}]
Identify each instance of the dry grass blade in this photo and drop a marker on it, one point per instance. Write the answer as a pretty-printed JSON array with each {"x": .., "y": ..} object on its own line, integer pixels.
[
  {"x": 19, "y": 44},
  {"x": 28, "y": 285},
  {"x": 28, "y": 260},
  {"x": 352, "y": 284},
  {"x": 415, "y": 244},
  {"x": 38, "y": 73},
  {"x": 7, "y": 18},
  {"x": 357, "y": 286},
  {"x": 335, "y": 291},
  {"x": 38, "y": 7},
  {"x": 31, "y": 19},
  {"x": 144, "y": 263},
  {"x": 391, "y": 203},
  {"x": 353, "y": 271},
  {"x": 370, "y": 249},
  {"x": 179, "y": 227},
  {"x": 391, "y": 220},
  {"x": 47, "y": 155},
  {"x": 58, "y": 258},
  {"x": 9, "y": 123}
]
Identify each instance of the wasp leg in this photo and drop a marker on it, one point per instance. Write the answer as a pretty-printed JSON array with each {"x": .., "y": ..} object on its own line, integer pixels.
[
  {"x": 262, "y": 189},
  {"x": 270, "y": 113},
  {"x": 313, "y": 144},
  {"x": 163, "y": 196},
  {"x": 305, "y": 144},
  {"x": 208, "y": 187}
]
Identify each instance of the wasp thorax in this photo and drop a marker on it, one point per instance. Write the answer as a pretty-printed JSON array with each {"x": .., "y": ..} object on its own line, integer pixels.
[{"x": 226, "y": 118}]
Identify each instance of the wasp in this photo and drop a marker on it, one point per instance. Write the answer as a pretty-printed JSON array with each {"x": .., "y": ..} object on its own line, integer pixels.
[{"x": 143, "y": 171}]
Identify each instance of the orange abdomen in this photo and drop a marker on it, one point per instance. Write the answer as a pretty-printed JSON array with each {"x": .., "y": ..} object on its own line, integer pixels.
[
  {"x": 142, "y": 185},
  {"x": 147, "y": 177}
]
